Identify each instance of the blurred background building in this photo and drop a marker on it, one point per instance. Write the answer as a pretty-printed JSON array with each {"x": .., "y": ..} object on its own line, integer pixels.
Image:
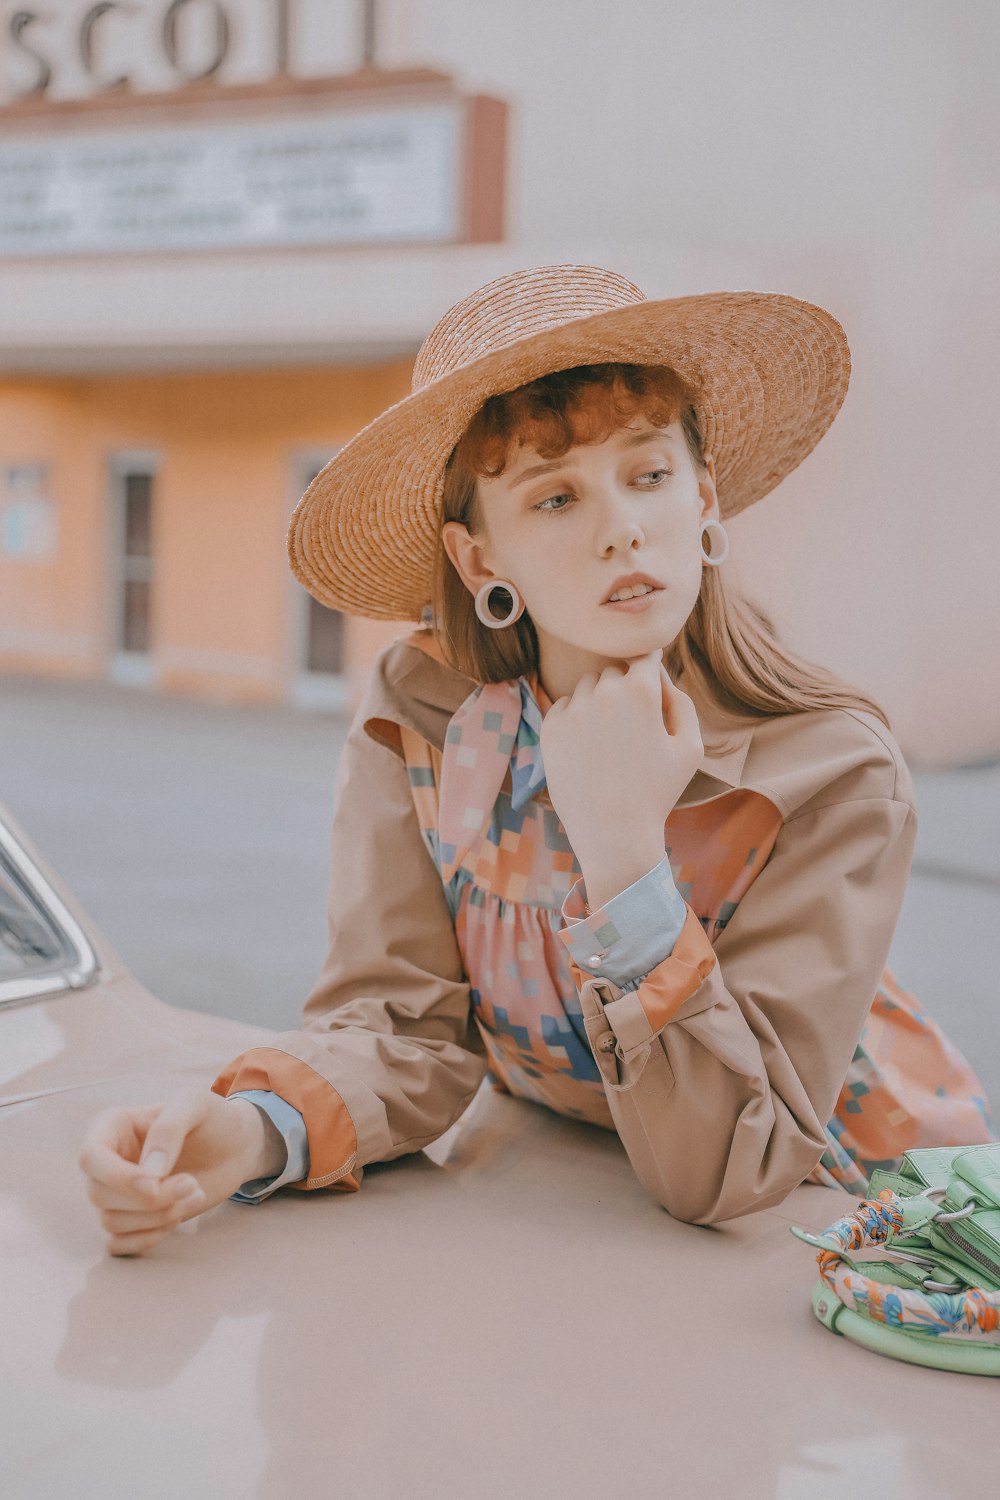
[{"x": 227, "y": 225}]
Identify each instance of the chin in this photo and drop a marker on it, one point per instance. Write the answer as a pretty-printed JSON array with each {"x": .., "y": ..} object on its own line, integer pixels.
[
  {"x": 627, "y": 652},
  {"x": 637, "y": 640}
]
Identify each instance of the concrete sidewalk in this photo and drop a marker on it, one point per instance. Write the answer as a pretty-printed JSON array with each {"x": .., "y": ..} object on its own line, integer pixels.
[{"x": 197, "y": 836}]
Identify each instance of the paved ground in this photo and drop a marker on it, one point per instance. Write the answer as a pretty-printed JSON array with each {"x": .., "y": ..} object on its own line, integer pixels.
[{"x": 196, "y": 835}]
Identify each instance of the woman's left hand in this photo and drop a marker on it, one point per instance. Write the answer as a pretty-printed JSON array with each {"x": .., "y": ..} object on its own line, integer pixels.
[{"x": 613, "y": 767}]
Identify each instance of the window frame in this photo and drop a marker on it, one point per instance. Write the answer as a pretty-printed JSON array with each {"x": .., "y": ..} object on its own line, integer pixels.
[{"x": 127, "y": 668}]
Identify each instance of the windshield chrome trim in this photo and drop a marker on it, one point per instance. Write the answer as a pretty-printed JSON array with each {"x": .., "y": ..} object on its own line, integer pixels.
[{"x": 79, "y": 974}]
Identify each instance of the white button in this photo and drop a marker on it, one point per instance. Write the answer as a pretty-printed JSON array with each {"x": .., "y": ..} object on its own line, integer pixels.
[{"x": 594, "y": 961}]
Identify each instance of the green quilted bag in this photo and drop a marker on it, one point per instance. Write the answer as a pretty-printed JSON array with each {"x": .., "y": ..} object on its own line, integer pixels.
[{"x": 914, "y": 1271}]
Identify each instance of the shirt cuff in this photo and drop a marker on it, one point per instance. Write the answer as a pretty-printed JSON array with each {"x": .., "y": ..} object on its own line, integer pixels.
[
  {"x": 630, "y": 934},
  {"x": 292, "y": 1127}
]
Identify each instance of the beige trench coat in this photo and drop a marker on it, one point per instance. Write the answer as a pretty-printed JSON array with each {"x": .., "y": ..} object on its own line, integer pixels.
[{"x": 722, "y": 1109}]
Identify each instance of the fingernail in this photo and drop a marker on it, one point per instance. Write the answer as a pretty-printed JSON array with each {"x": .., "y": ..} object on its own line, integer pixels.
[{"x": 155, "y": 1163}]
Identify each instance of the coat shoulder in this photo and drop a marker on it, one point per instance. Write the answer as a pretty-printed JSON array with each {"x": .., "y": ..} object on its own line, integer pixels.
[{"x": 811, "y": 759}]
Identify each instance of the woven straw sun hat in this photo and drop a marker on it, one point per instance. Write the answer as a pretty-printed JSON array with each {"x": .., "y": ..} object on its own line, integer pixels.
[{"x": 772, "y": 372}]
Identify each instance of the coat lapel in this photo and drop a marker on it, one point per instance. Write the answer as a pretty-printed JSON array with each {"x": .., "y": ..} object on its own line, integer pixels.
[{"x": 495, "y": 728}]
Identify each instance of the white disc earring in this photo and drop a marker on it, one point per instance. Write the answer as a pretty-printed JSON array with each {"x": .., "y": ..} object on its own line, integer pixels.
[
  {"x": 484, "y": 611},
  {"x": 716, "y": 557}
]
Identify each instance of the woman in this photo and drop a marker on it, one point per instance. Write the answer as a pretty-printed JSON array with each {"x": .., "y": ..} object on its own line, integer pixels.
[{"x": 598, "y": 834}]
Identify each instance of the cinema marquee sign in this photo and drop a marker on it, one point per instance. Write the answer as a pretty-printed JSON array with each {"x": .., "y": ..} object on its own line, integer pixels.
[
  {"x": 30, "y": 37},
  {"x": 371, "y": 157}
]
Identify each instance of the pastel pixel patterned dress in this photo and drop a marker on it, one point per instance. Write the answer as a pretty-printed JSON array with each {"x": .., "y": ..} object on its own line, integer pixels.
[{"x": 510, "y": 878}]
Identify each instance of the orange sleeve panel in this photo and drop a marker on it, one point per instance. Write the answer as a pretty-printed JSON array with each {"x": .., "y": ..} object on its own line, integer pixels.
[
  {"x": 666, "y": 988},
  {"x": 333, "y": 1141},
  {"x": 674, "y": 980}
]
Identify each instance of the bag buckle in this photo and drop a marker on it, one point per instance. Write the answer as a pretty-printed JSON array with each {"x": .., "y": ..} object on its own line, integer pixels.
[{"x": 936, "y": 1194}]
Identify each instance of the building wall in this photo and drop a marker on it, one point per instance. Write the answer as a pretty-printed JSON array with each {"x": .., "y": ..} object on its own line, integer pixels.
[
  {"x": 226, "y": 609},
  {"x": 843, "y": 155}
]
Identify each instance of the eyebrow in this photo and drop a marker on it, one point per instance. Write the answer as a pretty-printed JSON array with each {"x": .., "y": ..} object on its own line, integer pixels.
[{"x": 633, "y": 441}]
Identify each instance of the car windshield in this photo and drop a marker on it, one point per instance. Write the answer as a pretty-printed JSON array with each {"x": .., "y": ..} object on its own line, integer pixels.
[{"x": 42, "y": 947}]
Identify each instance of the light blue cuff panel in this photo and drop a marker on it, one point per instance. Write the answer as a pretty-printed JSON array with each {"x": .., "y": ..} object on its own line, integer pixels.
[
  {"x": 292, "y": 1126},
  {"x": 645, "y": 922}
]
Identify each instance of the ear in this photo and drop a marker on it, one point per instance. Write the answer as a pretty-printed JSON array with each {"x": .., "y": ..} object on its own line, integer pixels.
[
  {"x": 706, "y": 489},
  {"x": 468, "y": 555}
]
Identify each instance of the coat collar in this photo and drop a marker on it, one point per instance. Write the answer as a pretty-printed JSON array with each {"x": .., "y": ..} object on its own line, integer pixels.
[{"x": 416, "y": 687}]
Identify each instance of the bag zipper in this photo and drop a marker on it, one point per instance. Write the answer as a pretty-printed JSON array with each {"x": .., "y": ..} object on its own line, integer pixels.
[{"x": 967, "y": 1248}]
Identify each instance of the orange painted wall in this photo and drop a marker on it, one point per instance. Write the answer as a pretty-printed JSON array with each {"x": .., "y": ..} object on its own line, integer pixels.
[
  {"x": 49, "y": 609},
  {"x": 224, "y": 610}
]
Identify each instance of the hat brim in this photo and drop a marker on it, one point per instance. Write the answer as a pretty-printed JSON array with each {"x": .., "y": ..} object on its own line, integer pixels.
[{"x": 773, "y": 372}]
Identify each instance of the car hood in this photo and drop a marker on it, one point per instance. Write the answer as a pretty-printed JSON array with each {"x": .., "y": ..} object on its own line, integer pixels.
[
  {"x": 112, "y": 1029},
  {"x": 506, "y": 1312}
]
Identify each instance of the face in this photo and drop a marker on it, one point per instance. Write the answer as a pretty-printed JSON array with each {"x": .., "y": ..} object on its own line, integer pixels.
[{"x": 564, "y": 531}]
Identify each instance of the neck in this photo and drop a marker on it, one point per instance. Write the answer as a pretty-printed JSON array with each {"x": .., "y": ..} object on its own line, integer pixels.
[{"x": 542, "y": 696}]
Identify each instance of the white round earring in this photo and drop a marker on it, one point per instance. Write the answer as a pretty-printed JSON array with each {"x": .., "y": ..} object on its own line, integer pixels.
[
  {"x": 484, "y": 611},
  {"x": 716, "y": 557}
]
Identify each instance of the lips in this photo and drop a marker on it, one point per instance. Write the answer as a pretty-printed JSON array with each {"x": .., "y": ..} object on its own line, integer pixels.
[{"x": 631, "y": 581}]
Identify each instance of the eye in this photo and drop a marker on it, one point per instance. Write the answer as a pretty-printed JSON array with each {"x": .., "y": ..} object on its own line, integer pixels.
[
  {"x": 548, "y": 507},
  {"x": 653, "y": 474}
]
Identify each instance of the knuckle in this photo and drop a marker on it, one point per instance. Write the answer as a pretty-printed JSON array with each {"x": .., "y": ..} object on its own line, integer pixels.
[
  {"x": 126, "y": 1242},
  {"x": 130, "y": 1244},
  {"x": 107, "y": 1120}
]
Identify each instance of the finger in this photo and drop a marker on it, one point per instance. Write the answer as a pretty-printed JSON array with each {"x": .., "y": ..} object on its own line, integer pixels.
[
  {"x": 614, "y": 670},
  {"x": 647, "y": 666},
  {"x": 672, "y": 707},
  {"x": 681, "y": 701},
  {"x": 143, "y": 1193},
  {"x": 644, "y": 671},
  {"x": 585, "y": 684},
  {"x": 680, "y": 713},
  {"x": 120, "y": 1221},
  {"x": 134, "y": 1244},
  {"x": 166, "y": 1135},
  {"x": 112, "y": 1144}
]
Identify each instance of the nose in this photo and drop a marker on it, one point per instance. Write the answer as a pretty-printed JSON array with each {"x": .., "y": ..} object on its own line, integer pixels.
[{"x": 618, "y": 526}]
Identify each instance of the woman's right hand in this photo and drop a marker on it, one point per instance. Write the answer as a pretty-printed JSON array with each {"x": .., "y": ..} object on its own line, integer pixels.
[{"x": 149, "y": 1169}]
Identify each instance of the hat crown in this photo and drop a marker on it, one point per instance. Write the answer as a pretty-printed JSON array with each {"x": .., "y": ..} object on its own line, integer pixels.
[{"x": 517, "y": 306}]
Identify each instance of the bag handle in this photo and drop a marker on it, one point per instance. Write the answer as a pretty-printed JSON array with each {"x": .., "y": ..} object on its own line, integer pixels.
[{"x": 949, "y": 1326}]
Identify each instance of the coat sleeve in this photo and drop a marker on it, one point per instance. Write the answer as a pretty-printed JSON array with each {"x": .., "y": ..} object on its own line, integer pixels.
[
  {"x": 723, "y": 1067},
  {"x": 389, "y": 1055}
]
